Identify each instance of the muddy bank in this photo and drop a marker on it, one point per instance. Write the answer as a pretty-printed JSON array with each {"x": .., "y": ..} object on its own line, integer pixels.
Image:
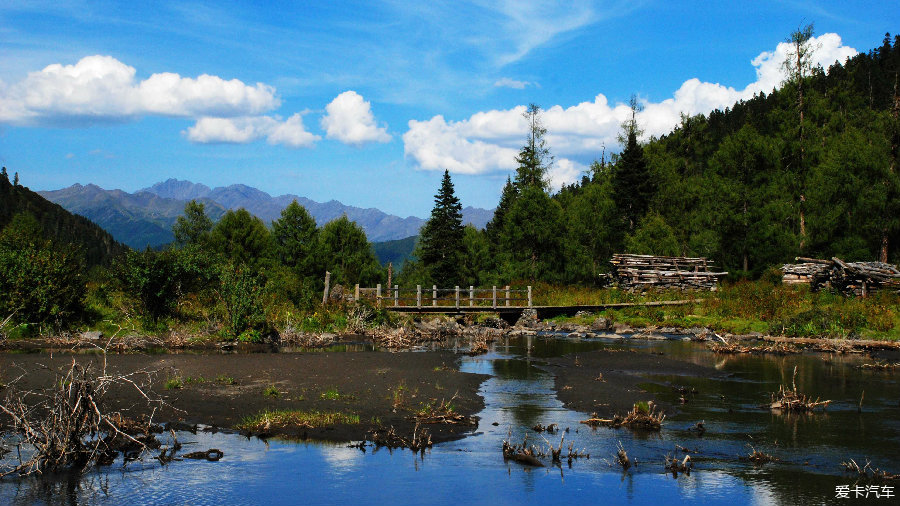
[
  {"x": 607, "y": 382},
  {"x": 383, "y": 389}
]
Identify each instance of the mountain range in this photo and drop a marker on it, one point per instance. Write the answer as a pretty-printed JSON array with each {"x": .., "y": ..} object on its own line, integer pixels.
[{"x": 145, "y": 218}]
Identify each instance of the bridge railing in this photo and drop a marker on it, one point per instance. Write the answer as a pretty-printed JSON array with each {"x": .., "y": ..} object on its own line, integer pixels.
[{"x": 456, "y": 297}]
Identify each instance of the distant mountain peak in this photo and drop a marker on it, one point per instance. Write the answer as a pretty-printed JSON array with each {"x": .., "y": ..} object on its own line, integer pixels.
[{"x": 179, "y": 189}]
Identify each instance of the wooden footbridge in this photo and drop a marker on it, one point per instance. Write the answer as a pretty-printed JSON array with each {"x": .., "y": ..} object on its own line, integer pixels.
[{"x": 507, "y": 302}]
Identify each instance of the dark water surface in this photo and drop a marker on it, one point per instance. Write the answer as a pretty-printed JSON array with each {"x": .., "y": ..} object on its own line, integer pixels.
[{"x": 519, "y": 395}]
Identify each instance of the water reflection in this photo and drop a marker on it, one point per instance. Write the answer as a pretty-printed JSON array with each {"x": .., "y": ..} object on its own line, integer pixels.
[{"x": 519, "y": 395}]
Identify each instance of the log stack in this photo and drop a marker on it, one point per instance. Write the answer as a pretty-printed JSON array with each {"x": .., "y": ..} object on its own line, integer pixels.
[
  {"x": 862, "y": 278},
  {"x": 810, "y": 271},
  {"x": 640, "y": 272},
  {"x": 848, "y": 278}
]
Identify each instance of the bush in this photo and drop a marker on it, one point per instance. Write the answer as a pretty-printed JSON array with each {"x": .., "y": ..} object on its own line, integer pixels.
[
  {"x": 40, "y": 283},
  {"x": 242, "y": 292},
  {"x": 154, "y": 278}
]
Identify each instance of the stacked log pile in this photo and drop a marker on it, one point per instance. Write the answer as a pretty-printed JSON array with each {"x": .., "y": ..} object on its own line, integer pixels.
[
  {"x": 862, "y": 278},
  {"x": 810, "y": 271},
  {"x": 848, "y": 278},
  {"x": 640, "y": 272}
]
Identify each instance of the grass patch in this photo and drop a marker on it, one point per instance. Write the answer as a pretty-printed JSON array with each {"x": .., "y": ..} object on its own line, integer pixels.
[
  {"x": 332, "y": 394},
  {"x": 398, "y": 396},
  {"x": 271, "y": 391},
  {"x": 174, "y": 383},
  {"x": 295, "y": 418}
]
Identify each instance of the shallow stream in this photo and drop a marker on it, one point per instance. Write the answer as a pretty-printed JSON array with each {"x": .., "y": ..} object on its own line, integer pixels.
[{"x": 519, "y": 395}]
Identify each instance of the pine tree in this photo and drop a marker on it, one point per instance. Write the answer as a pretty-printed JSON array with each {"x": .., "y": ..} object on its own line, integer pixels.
[
  {"x": 798, "y": 66},
  {"x": 633, "y": 185},
  {"x": 295, "y": 237},
  {"x": 507, "y": 197},
  {"x": 441, "y": 240},
  {"x": 534, "y": 158}
]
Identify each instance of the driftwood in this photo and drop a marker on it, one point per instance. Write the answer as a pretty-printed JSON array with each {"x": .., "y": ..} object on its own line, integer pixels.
[
  {"x": 675, "y": 466},
  {"x": 791, "y": 400},
  {"x": 867, "y": 472},
  {"x": 639, "y": 418},
  {"x": 68, "y": 426},
  {"x": 640, "y": 272},
  {"x": 418, "y": 443}
]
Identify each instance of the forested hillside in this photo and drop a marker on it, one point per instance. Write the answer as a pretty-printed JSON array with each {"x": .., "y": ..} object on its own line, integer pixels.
[
  {"x": 809, "y": 169},
  {"x": 57, "y": 224}
]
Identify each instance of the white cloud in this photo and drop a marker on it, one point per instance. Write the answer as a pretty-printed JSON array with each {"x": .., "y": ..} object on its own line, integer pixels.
[
  {"x": 506, "y": 82},
  {"x": 349, "y": 119},
  {"x": 290, "y": 132},
  {"x": 488, "y": 141},
  {"x": 101, "y": 88}
]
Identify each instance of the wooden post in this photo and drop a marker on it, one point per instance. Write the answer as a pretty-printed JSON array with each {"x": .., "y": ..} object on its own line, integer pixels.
[
  {"x": 457, "y": 296},
  {"x": 494, "y": 297},
  {"x": 471, "y": 295},
  {"x": 327, "y": 288},
  {"x": 390, "y": 274},
  {"x": 434, "y": 295},
  {"x": 396, "y": 295},
  {"x": 507, "y": 295},
  {"x": 529, "y": 295},
  {"x": 418, "y": 295},
  {"x": 378, "y": 294},
  {"x": 356, "y": 293}
]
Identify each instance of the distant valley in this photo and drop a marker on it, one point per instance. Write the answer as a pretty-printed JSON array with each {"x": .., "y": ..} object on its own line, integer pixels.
[{"x": 145, "y": 218}]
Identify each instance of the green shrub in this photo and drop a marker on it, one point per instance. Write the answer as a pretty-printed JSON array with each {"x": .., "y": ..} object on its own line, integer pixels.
[
  {"x": 242, "y": 292},
  {"x": 39, "y": 282}
]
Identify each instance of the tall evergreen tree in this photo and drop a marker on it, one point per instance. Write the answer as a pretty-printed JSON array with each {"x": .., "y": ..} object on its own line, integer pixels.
[
  {"x": 507, "y": 197},
  {"x": 344, "y": 250},
  {"x": 295, "y": 235},
  {"x": 242, "y": 238},
  {"x": 633, "y": 185},
  {"x": 441, "y": 240},
  {"x": 534, "y": 158},
  {"x": 798, "y": 66}
]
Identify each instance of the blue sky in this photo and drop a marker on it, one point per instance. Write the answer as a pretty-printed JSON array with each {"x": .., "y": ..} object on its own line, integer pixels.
[{"x": 368, "y": 102}]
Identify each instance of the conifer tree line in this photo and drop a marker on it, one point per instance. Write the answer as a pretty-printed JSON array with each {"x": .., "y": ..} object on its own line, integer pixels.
[{"x": 809, "y": 169}]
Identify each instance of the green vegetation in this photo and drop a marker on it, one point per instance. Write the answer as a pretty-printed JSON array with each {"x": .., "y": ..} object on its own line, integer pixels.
[
  {"x": 749, "y": 306},
  {"x": 294, "y": 418},
  {"x": 332, "y": 394},
  {"x": 271, "y": 391},
  {"x": 174, "y": 383},
  {"x": 40, "y": 282}
]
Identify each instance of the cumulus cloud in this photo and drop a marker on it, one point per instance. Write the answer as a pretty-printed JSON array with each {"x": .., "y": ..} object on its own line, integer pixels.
[
  {"x": 290, "y": 132},
  {"x": 489, "y": 141},
  {"x": 102, "y": 88},
  {"x": 506, "y": 82},
  {"x": 349, "y": 119}
]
